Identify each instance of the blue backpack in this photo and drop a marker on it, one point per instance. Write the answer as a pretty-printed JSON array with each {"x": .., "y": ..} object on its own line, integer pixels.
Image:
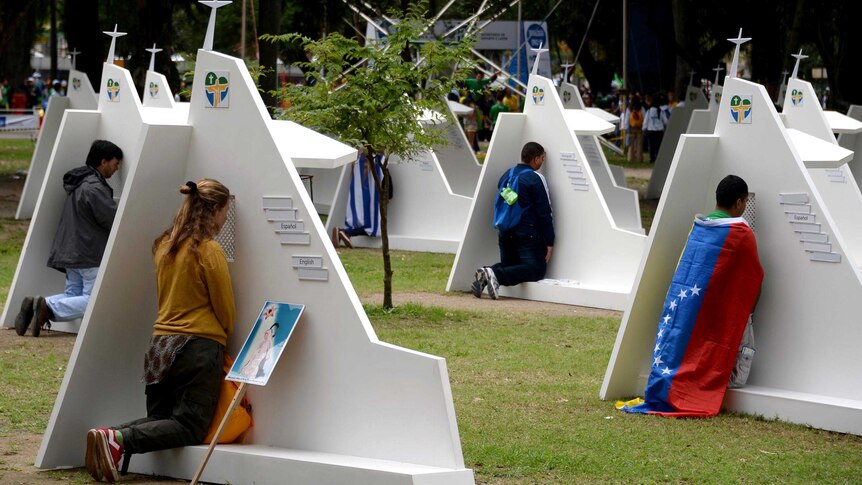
[{"x": 507, "y": 211}]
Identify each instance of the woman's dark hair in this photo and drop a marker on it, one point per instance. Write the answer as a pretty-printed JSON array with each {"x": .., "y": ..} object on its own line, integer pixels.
[
  {"x": 103, "y": 150},
  {"x": 729, "y": 190},
  {"x": 530, "y": 151},
  {"x": 195, "y": 219}
]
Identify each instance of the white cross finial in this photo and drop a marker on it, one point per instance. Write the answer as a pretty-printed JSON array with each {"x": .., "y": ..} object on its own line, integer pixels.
[
  {"x": 799, "y": 58},
  {"x": 153, "y": 56},
  {"x": 784, "y": 76},
  {"x": 214, "y": 5},
  {"x": 717, "y": 73},
  {"x": 74, "y": 53},
  {"x": 739, "y": 40},
  {"x": 566, "y": 71},
  {"x": 114, "y": 36},
  {"x": 691, "y": 77},
  {"x": 538, "y": 56}
]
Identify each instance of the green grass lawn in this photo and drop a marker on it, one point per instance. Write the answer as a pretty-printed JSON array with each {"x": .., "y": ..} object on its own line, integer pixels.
[
  {"x": 525, "y": 387},
  {"x": 15, "y": 154}
]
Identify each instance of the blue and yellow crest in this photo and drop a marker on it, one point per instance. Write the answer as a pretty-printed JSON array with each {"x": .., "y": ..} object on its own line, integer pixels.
[
  {"x": 567, "y": 95},
  {"x": 76, "y": 83},
  {"x": 538, "y": 95},
  {"x": 740, "y": 109},
  {"x": 113, "y": 90},
  {"x": 216, "y": 89},
  {"x": 153, "y": 89},
  {"x": 796, "y": 97}
]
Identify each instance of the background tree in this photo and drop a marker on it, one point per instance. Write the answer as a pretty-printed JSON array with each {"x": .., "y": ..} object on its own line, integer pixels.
[
  {"x": 376, "y": 105},
  {"x": 18, "y": 23}
]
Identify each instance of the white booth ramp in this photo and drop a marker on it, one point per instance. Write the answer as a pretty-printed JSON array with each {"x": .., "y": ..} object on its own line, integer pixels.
[
  {"x": 806, "y": 322},
  {"x": 431, "y": 195},
  {"x": 342, "y": 407},
  {"x": 834, "y": 180},
  {"x": 79, "y": 95},
  {"x": 622, "y": 201},
  {"x": 680, "y": 117},
  {"x": 595, "y": 259},
  {"x": 76, "y": 133},
  {"x": 852, "y": 140}
]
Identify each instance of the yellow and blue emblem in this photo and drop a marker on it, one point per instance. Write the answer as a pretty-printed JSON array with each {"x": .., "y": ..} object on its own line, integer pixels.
[
  {"x": 740, "y": 109},
  {"x": 113, "y": 90},
  {"x": 76, "y": 83},
  {"x": 217, "y": 88},
  {"x": 154, "y": 89},
  {"x": 538, "y": 95},
  {"x": 796, "y": 97}
]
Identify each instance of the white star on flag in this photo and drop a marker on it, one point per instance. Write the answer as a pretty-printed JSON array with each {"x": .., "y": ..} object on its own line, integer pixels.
[
  {"x": 657, "y": 347},
  {"x": 682, "y": 294},
  {"x": 695, "y": 291},
  {"x": 673, "y": 305},
  {"x": 666, "y": 318},
  {"x": 665, "y": 371},
  {"x": 660, "y": 332},
  {"x": 657, "y": 361}
]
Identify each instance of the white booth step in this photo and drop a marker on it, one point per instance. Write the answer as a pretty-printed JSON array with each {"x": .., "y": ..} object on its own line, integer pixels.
[
  {"x": 261, "y": 465},
  {"x": 816, "y": 410},
  {"x": 569, "y": 292}
]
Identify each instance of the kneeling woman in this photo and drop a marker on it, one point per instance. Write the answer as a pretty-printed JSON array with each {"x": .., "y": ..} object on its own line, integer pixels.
[{"x": 183, "y": 367}]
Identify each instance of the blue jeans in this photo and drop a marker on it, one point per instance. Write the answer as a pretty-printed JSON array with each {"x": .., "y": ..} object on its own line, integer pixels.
[
  {"x": 71, "y": 304},
  {"x": 522, "y": 257}
]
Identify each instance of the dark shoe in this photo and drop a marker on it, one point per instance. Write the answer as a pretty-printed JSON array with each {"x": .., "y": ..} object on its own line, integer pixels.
[
  {"x": 344, "y": 238},
  {"x": 479, "y": 283},
  {"x": 41, "y": 315},
  {"x": 22, "y": 321}
]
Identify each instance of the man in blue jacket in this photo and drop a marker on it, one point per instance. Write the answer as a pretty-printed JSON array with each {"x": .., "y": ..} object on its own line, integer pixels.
[
  {"x": 80, "y": 241},
  {"x": 526, "y": 248}
]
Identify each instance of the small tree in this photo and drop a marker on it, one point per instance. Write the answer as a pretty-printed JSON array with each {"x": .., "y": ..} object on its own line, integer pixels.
[{"x": 372, "y": 96}]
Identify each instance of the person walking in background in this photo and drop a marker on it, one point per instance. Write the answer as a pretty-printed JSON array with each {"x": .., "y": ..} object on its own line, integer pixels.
[
  {"x": 653, "y": 126},
  {"x": 635, "y": 130}
]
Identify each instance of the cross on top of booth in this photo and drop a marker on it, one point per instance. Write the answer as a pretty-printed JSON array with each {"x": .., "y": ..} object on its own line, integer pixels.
[
  {"x": 74, "y": 54},
  {"x": 799, "y": 58},
  {"x": 153, "y": 52},
  {"x": 114, "y": 36},
  {"x": 214, "y": 5},
  {"x": 739, "y": 40},
  {"x": 538, "y": 52}
]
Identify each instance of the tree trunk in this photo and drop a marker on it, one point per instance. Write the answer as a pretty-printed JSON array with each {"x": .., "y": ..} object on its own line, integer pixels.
[
  {"x": 269, "y": 22},
  {"x": 17, "y": 31},
  {"x": 383, "y": 186}
]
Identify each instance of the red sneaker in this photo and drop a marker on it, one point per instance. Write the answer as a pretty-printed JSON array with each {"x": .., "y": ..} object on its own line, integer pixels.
[{"x": 107, "y": 454}]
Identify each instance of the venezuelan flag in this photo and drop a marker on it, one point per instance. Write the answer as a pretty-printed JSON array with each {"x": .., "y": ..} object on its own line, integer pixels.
[{"x": 713, "y": 291}]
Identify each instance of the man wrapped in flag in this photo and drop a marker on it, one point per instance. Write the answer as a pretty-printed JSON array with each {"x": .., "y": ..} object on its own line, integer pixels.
[
  {"x": 363, "y": 202},
  {"x": 712, "y": 294}
]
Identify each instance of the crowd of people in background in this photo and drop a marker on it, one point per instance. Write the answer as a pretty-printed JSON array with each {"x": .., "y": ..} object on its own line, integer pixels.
[
  {"x": 643, "y": 119},
  {"x": 33, "y": 92},
  {"x": 487, "y": 101}
]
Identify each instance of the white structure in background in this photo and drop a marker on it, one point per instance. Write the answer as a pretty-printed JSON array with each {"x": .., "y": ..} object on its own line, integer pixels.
[
  {"x": 597, "y": 247},
  {"x": 680, "y": 118},
  {"x": 702, "y": 121},
  {"x": 432, "y": 194},
  {"x": 853, "y": 141},
  {"x": 782, "y": 89},
  {"x": 342, "y": 407},
  {"x": 79, "y": 95},
  {"x": 612, "y": 178},
  {"x": 807, "y": 320}
]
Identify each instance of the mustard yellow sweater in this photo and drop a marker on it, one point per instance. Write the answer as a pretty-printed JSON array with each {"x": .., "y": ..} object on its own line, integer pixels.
[{"x": 194, "y": 299}]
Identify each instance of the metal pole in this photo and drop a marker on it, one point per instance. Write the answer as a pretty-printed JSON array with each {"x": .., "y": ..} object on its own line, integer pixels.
[
  {"x": 242, "y": 33},
  {"x": 520, "y": 30},
  {"x": 625, "y": 44}
]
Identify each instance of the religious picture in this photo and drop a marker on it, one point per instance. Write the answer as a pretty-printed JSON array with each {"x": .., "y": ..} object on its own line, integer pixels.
[{"x": 265, "y": 343}]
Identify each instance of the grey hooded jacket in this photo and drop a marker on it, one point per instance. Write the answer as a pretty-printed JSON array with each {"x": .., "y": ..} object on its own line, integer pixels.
[{"x": 86, "y": 221}]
